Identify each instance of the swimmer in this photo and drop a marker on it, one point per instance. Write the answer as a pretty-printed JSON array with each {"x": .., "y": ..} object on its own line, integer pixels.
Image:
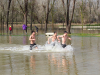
[
  {"x": 64, "y": 37},
  {"x": 54, "y": 37},
  {"x": 32, "y": 40}
]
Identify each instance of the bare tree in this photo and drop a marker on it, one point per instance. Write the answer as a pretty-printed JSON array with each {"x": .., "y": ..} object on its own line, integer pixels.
[
  {"x": 90, "y": 10},
  {"x": 1, "y": 21},
  {"x": 2, "y": 15},
  {"x": 47, "y": 15},
  {"x": 95, "y": 9},
  {"x": 32, "y": 7},
  {"x": 66, "y": 14},
  {"x": 71, "y": 16},
  {"x": 47, "y": 10},
  {"x": 25, "y": 12},
  {"x": 9, "y": 3},
  {"x": 12, "y": 14}
]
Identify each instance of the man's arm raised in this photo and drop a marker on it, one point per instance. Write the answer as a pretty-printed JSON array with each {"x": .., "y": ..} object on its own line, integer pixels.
[{"x": 59, "y": 37}]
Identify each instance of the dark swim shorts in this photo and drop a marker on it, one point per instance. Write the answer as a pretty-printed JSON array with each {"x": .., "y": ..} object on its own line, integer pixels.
[
  {"x": 33, "y": 45},
  {"x": 63, "y": 45}
]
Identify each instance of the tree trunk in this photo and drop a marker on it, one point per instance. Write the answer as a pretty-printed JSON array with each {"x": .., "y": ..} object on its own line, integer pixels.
[
  {"x": 32, "y": 9},
  {"x": 69, "y": 26},
  {"x": 52, "y": 13},
  {"x": 46, "y": 23},
  {"x": 41, "y": 26},
  {"x": 82, "y": 17},
  {"x": 16, "y": 24},
  {"x": 8, "y": 14},
  {"x": 63, "y": 25},
  {"x": 64, "y": 12},
  {"x": 31, "y": 21},
  {"x": 12, "y": 18},
  {"x": 68, "y": 3},
  {"x": 25, "y": 15},
  {"x": 47, "y": 15},
  {"x": 1, "y": 23}
]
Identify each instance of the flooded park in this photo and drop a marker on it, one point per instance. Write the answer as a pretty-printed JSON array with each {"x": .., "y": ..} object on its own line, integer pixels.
[
  {"x": 74, "y": 48},
  {"x": 80, "y": 57}
]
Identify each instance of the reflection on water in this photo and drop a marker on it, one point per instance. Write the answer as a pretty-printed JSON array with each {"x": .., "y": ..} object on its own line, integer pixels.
[
  {"x": 24, "y": 40},
  {"x": 32, "y": 64},
  {"x": 38, "y": 64},
  {"x": 10, "y": 39}
]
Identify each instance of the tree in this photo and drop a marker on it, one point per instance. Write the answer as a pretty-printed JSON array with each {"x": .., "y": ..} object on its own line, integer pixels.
[
  {"x": 9, "y": 3},
  {"x": 2, "y": 16},
  {"x": 32, "y": 8},
  {"x": 12, "y": 14},
  {"x": 24, "y": 11},
  {"x": 47, "y": 10},
  {"x": 96, "y": 10},
  {"x": 90, "y": 10},
  {"x": 66, "y": 14}
]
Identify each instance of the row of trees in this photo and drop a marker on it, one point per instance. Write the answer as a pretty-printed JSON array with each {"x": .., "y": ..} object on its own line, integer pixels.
[{"x": 49, "y": 11}]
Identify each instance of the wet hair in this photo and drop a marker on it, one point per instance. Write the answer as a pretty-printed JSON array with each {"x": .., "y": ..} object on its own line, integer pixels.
[
  {"x": 54, "y": 32},
  {"x": 32, "y": 31},
  {"x": 65, "y": 31}
]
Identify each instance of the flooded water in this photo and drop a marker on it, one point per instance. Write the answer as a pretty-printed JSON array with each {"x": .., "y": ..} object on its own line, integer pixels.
[{"x": 80, "y": 57}]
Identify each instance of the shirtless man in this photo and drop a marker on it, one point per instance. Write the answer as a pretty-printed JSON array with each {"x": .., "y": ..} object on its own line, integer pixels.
[
  {"x": 64, "y": 38},
  {"x": 32, "y": 40},
  {"x": 54, "y": 37}
]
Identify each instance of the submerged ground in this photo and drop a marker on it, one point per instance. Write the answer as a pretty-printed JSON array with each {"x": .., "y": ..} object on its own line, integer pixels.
[{"x": 81, "y": 56}]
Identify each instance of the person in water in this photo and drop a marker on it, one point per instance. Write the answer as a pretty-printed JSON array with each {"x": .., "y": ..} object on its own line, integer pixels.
[
  {"x": 64, "y": 38},
  {"x": 53, "y": 38},
  {"x": 10, "y": 29},
  {"x": 24, "y": 28},
  {"x": 32, "y": 40}
]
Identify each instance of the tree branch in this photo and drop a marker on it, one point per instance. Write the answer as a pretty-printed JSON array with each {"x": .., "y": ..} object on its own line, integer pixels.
[
  {"x": 20, "y": 7},
  {"x": 73, "y": 10}
]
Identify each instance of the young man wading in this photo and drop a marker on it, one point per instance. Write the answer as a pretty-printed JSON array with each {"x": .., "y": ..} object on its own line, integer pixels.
[
  {"x": 32, "y": 40},
  {"x": 54, "y": 38},
  {"x": 64, "y": 38}
]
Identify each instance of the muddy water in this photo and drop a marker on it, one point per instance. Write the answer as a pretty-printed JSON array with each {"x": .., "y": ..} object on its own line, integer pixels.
[{"x": 81, "y": 57}]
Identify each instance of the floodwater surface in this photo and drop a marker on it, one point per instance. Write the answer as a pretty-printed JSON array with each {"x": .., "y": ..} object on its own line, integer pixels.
[{"x": 80, "y": 57}]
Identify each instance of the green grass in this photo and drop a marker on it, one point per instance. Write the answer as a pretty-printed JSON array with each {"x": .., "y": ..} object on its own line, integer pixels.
[
  {"x": 5, "y": 34},
  {"x": 83, "y": 25},
  {"x": 93, "y": 24},
  {"x": 84, "y": 34},
  {"x": 72, "y": 34}
]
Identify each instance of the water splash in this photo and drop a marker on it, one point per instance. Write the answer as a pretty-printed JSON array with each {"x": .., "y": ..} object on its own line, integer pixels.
[{"x": 41, "y": 48}]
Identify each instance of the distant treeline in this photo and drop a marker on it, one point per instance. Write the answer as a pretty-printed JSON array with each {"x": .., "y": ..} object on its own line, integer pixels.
[{"x": 49, "y": 11}]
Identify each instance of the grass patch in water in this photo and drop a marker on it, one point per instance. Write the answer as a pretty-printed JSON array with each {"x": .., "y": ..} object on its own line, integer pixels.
[
  {"x": 80, "y": 25},
  {"x": 72, "y": 34},
  {"x": 84, "y": 34}
]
